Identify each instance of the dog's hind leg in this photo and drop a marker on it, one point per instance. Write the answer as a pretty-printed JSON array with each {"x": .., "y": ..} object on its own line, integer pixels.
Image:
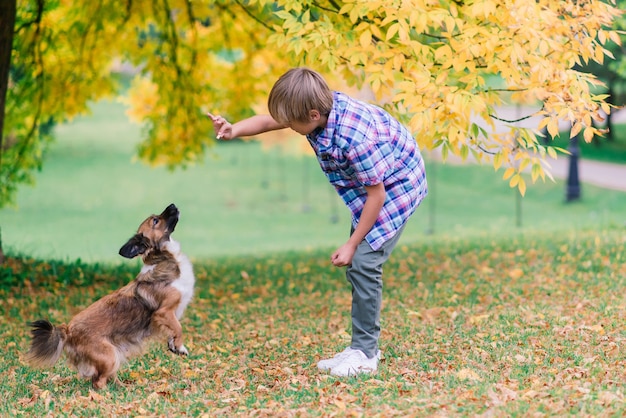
[{"x": 106, "y": 363}]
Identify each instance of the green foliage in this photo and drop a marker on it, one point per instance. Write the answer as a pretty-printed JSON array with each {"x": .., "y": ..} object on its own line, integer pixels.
[{"x": 504, "y": 327}]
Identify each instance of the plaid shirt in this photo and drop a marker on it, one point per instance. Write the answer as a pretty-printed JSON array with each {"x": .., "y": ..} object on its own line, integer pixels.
[{"x": 362, "y": 145}]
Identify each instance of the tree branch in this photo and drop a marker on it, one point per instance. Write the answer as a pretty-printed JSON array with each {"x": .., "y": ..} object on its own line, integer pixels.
[
  {"x": 327, "y": 9},
  {"x": 511, "y": 120},
  {"x": 192, "y": 23},
  {"x": 249, "y": 13},
  {"x": 486, "y": 151},
  {"x": 36, "y": 20},
  {"x": 37, "y": 58}
]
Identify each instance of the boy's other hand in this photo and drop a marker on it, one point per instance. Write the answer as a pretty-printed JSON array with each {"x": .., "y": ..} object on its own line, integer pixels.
[
  {"x": 343, "y": 256},
  {"x": 223, "y": 128}
]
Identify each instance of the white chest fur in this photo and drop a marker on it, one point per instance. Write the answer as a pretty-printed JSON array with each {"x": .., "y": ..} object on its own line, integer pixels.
[{"x": 184, "y": 284}]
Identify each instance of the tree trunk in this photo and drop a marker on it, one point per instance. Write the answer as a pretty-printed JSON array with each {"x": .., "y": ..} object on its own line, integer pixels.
[
  {"x": 7, "y": 24},
  {"x": 611, "y": 99},
  {"x": 609, "y": 126}
]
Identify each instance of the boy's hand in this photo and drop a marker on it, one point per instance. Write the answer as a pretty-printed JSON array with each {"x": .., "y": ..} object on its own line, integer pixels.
[
  {"x": 343, "y": 255},
  {"x": 223, "y": 128}
]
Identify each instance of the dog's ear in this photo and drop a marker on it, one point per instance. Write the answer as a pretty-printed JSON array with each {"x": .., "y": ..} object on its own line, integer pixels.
[{"x": 138, "y": 244}]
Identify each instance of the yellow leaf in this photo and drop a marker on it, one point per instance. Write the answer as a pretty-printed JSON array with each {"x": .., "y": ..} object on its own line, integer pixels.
[
  {"x": 477, "y": 319},
  {"x": 615, "y": 38},
  {"x": 552, "y": 152},
  {"x": 468, "y": 374},
  {"x": 516, "y": 273},
  {"x": 522, "y": 186},
  {"x": 553, "y": 128},
  {"x": 393, "y": 29},
  {"x": 542, "y": 123},
  {"x": 497, "y": 161},
  {"x": 508, "y": 173},
  {"x": 442, "y": 52},
  {"x": 599, "y": 55},
  {"x": 523, "y": 164},
  {"x": 464, "y": 152},
  {"x": 346, "y": 8},
  {"x": 575, "y": 129},
  {"x": 536, "y": 171},
  {"x": 366, "y": 39},
  {"x": 588, "y": 135}
]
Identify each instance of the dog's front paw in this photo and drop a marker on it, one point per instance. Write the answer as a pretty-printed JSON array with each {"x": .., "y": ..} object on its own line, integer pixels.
[{"x": 182, "y": 350}]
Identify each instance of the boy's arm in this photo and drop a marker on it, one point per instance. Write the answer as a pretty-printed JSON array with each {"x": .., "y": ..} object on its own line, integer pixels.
[
  {"x": 373, "y": 204},
  {"x": 253, "y": 125}
]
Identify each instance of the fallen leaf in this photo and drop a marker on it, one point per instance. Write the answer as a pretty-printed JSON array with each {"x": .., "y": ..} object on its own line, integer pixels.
[{"x": 468, "y": 374}]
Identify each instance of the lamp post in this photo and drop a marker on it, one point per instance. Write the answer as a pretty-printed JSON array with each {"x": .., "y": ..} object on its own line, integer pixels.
[{"x": 573, "y": 182}]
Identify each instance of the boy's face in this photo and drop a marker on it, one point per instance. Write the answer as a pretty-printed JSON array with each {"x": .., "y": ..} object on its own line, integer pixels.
[{"x": 304, "y": 128}]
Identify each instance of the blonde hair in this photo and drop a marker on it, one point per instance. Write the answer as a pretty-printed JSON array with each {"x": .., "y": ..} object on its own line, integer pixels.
[{"x": 296, "y": 93}]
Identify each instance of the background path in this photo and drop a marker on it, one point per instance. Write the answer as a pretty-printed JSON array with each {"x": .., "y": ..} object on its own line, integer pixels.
[{"x": 607, "y": 175}]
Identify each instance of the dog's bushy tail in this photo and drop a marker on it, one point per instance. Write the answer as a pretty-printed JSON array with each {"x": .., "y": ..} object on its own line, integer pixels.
[{"x": 47, "y": 343}]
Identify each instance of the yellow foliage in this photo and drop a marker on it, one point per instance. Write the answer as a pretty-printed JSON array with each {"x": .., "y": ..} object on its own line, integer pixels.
[
  {"x": 142, "y": 100},
  {"x": 444, "y": 67}
]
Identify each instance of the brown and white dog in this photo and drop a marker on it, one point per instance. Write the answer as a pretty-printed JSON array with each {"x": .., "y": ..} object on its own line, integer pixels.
[{"x": 102, "y": 337}]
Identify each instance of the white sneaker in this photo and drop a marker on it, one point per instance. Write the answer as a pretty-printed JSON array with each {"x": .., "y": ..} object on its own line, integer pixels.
[
  {"x": 328, "y": 364},
  {"x": 332, "y": 362},
  {"x": 355, "y": 362}
]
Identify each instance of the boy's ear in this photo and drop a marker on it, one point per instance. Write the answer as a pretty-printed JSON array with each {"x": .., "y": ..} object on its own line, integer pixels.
[{"x": 314, "y": 115}]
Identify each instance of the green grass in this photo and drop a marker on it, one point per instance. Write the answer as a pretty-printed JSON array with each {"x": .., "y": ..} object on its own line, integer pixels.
[
  {"x": 91, "y": 196},
  {"x": 483, "y": 317},
  {"x": 497, "y": 326}
]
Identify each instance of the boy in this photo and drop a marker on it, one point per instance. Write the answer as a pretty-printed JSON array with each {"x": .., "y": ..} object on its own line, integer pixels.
[{"x": 376, "y": 167}]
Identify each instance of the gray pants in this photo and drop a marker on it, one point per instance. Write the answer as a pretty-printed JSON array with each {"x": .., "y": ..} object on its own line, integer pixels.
[{"x": 365, "y": 274}]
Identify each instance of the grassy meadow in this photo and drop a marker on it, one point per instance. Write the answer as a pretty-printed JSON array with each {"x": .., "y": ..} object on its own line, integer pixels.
[
  {"x": 248, "y": 198},
  {"x": 481, "y": 327},
  {"x": 493, "y": 306}
]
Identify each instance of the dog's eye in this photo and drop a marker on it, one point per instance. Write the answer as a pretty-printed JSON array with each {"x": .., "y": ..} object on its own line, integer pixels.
[{"x": 155, "y": 221}]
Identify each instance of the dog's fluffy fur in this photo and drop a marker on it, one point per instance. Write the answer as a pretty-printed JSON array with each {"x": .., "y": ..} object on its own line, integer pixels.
[{"x": 103, "y": 336}]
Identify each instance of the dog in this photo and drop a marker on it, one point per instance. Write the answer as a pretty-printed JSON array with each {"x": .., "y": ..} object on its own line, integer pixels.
[{"x": 99, "y": 339}]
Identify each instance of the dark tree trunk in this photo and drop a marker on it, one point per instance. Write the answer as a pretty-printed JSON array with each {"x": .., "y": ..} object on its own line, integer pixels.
[
  {"x": 609, "y": 121},
  {"x": 7, "y": 24},
  {"x": 609, "y": 126}
]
